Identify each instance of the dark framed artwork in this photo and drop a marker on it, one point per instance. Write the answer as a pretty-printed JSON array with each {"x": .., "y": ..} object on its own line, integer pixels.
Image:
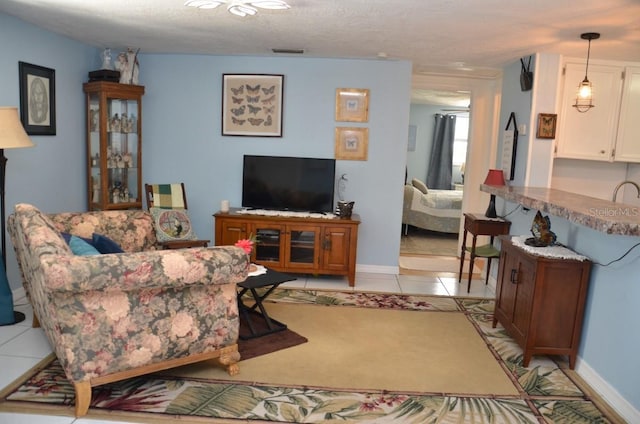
[
  {"x": 37, "y": 99},
  {"x": 546, "y": 125},
  {"x": 252, "y": 105}
]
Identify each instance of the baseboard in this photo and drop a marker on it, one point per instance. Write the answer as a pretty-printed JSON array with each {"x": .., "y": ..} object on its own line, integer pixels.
[
  {"x": 378, "y": 269},
  {"x": 19, "y": 293},
  {"x": 608, "y": 393}
]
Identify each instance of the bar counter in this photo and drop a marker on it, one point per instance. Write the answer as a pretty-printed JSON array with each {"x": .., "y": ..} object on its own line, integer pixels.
[{"x": 601, "y": 215}]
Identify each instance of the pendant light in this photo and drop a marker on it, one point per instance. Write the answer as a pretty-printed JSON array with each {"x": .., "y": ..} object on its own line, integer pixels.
[{"x": 584, "y": 98}]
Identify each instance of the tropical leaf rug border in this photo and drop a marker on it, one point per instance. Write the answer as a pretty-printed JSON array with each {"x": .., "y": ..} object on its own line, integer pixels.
[{"x": 548, "y": 391}]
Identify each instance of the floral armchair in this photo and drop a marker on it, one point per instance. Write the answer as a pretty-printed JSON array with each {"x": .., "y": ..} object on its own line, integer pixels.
[{"x": 115, "y": 316}]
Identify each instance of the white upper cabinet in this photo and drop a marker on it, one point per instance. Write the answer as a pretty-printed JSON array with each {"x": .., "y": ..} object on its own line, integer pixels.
[
  {"x": 628, "y": 140},
  {"x": 592, "y": 134}
]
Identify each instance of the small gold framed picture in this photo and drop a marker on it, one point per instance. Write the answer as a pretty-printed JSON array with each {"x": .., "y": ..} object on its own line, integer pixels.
[
  {"x": 352, "y": 143},
  {"x": 352, "y": 105},
  {"x": 546, "y": 125}
]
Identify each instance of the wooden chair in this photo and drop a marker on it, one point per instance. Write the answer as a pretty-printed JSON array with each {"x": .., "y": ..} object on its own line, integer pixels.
[{"x": 170, "y": 196}]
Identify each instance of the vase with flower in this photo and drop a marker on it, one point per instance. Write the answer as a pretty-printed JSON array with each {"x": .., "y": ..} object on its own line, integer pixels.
[{"x": 247, "y": 245}]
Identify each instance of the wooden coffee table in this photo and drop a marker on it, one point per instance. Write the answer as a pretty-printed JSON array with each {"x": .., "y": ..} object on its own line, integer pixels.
[{"x": 256, "y": 315}]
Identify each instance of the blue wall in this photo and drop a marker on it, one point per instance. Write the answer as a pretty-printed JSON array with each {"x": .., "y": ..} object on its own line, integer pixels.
[
  {"x": 610, "y": 338},
  {"x": 181, "y": 132},
  {"x": 418, "y": 161},
  {"x": 422, "y": 116},
  {"x": 51, "y": 175},
  {"x": 519, "y": 102},
  {"x": 182, "y": 141}
]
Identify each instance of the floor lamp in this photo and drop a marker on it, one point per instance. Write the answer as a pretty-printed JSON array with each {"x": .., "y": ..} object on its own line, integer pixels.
[{"x": 12, "y": 136}]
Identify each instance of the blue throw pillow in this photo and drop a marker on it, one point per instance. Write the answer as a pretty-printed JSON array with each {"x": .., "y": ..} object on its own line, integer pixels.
[
  {"x": 105, "y": 245},
  {"x": 67, "y": 238},
  {"x": 80, "y": 247}
]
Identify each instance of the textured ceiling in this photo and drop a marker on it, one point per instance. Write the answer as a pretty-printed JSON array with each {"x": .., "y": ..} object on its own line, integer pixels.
[{"x": 473, "y": 37}]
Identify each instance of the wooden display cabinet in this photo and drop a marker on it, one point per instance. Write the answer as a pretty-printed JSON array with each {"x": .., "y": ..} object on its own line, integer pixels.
[
  {"x": 540, "y": 301},
  {"x": 114, "y": 145},
  {"x": 295, "y": 245}
]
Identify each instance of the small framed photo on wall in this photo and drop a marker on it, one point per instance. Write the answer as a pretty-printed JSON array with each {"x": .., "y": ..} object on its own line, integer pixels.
[
  {"x": 546, "y": 125},
  {"x": 352, "y": 105},
  {"x": 352, "y": 143},
  {"x": 37, "y": 99}
]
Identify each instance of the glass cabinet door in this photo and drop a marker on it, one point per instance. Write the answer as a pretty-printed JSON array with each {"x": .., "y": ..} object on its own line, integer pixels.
[
  {"x": 122, "y": 151},
  {"x": 95, "y": 176},
  {"x": 269, "y": 244},
  {"x": 303, "y": 246}
]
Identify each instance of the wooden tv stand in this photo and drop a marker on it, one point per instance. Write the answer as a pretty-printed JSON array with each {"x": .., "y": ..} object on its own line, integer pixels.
[{"x": 292, "y": 244}]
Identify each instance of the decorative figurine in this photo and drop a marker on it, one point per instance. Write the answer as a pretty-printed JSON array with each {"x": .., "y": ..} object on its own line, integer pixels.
[
  {"x": 106, "y": 59},
  {"x": 115, "y": 123},
  {"x": 541, "y": 230},
  {"x": 344, "y": 209},
  {"x": 96, "y": 191},
  {"x": 127, "y": 64},
  {"x": 93, "y": 114},
  {"x": 127, "y": 159},
  {"x": 124, "y": 123}
]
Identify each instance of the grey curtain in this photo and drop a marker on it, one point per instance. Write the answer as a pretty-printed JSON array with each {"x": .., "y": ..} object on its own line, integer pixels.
[{"x": 440, "y": 169}]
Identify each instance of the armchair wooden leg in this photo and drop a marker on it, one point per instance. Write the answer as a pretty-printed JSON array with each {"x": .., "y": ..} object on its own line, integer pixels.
[
  {"x": 229, "y": 357},
  {"x": 83, "y": 397}
]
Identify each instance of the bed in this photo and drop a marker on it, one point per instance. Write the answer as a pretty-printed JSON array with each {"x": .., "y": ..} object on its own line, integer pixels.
[{"x": 435, "y": 210}]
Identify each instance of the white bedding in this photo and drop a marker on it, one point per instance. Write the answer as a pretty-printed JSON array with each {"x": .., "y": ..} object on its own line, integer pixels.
[{"x": 441, "y": 203}]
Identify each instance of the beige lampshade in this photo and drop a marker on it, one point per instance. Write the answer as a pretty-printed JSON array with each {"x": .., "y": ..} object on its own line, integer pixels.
[{"x": 12, "y": 133}]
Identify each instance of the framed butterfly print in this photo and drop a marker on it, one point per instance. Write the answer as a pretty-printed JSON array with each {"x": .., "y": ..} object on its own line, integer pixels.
[
  {"x": 546, "y": 125},
  {"x": 352, "y": 105},
  {"x": 352, "y": 143},
  {"x": 252, "y": 105}
]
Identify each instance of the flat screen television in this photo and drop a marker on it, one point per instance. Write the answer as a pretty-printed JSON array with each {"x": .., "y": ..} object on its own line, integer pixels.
[{"x": 288, "y": 183}]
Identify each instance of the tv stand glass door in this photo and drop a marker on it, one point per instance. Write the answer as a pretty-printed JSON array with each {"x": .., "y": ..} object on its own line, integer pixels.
[
  {"x": 291, "y": 246},
  {"x": 303, "y": 247},
  {"x": 269, "y": 246}
]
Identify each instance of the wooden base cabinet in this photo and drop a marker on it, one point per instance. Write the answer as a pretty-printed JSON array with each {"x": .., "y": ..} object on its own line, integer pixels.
[
  {"x": 295, "y": 245},
  {"x": 540, "y": 301}
]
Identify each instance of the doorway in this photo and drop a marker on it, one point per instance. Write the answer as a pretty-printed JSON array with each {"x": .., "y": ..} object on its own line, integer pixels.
[
  {"x": 425, "y": 105},
  {"x": 482, "y": 98}
]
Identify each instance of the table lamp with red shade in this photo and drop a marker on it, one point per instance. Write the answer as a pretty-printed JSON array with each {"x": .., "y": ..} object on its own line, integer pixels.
[{"x": 495, "y": 177}]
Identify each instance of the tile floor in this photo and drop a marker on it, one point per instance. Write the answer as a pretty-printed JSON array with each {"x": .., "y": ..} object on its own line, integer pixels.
[{"x": 21, "y": 346}]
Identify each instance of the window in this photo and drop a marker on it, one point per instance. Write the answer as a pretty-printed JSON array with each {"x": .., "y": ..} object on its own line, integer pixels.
[{"x": 460, "y": 139}]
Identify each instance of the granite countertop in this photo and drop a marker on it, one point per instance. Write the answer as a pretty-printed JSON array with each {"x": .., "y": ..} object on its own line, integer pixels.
[{"x": 601, "y": 215}]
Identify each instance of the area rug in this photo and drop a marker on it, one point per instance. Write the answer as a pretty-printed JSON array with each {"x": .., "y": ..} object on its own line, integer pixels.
[
  {"x": 269, "y": 343},
  {"x": 543, "y": 392}
]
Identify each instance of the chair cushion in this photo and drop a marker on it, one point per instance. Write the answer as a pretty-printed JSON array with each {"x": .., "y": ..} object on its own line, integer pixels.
[
  {"x": 172, "y": 224},
  {"x": 420, "y": 185},
  {"x": 168, "y": 196}
]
